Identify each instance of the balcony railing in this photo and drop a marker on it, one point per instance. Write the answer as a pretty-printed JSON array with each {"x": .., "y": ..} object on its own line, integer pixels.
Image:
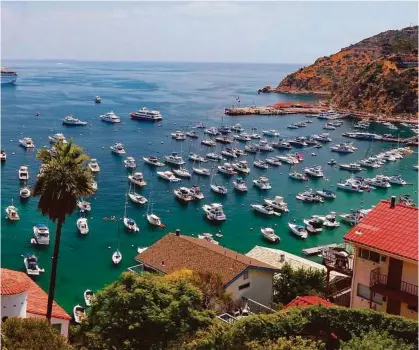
[
  {"x": 379, "y": 280},
  {"x": 338, "y": 261}
]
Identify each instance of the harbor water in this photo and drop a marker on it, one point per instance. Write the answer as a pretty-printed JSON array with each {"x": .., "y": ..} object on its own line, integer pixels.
[{"x": 186, "y": 94}]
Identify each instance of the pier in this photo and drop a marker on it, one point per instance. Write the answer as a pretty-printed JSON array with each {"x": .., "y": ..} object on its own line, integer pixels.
[
  {"x": 277, "y": 109},
  {"x": 318, "y": 249}
]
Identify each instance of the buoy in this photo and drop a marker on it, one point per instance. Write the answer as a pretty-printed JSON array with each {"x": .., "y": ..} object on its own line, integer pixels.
[
  {"x": 109, "y": 247},
  {"x": 251, "y": 228}
]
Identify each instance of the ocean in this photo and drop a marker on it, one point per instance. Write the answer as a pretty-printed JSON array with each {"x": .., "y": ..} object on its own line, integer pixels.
[{"x": 186, "y": 94}]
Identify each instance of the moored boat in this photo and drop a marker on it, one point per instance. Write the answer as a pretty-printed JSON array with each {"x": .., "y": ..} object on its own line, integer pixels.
[
  {"x": 41, "y": 234},
  {"x": 298, "y": 230},
  {"x": 269, "y": 234}
]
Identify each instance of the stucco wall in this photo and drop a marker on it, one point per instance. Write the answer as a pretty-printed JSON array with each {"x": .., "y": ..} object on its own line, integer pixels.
[
  {"x": 14, "y": 305},
  {"x": 64, "y": 323}
]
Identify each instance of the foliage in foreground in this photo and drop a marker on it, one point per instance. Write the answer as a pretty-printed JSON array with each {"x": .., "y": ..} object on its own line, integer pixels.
[
  {"x": 143, "y": 312},
  {"x": 376, "y": 341},
  {"x": 31, "y": 333}
]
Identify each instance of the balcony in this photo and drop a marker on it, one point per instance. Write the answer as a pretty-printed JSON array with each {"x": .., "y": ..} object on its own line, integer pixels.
[
  {"x": 338, "y": 260},
  {"x": 407, "y": 292}
]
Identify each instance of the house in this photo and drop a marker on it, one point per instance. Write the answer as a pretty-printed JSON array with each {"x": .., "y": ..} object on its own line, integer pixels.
[
  {"x": 385, "y": 268},
  {"x": 243, "y": 277},
  {"x": 22, "y": 297},
  {"x": 307, "y": 300}
]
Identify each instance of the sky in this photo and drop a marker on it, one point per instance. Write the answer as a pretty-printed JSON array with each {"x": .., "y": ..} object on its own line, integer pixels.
[{"x": 240, "y": 31}]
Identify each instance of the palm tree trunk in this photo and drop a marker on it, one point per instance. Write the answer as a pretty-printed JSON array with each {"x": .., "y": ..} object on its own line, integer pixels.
[{"x": 53, "y": 276}]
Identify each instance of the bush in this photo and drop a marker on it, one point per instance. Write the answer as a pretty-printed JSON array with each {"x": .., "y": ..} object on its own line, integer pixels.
[{"x": 376, "y": 341}]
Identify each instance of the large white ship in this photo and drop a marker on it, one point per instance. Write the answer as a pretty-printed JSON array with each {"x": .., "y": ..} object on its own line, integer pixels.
[
  {"x": 8, "y": 76},
  {"x": 145, "y": 114}
]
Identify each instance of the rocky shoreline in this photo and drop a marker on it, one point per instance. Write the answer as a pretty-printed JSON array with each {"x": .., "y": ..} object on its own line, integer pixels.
[{"x": 280, "y": 90}]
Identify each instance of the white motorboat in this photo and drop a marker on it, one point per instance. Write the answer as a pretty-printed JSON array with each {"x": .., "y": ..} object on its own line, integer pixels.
[
  {"x": 343, "y": 148},
  {"x": 324, "y": 137},
  {"x": 378, "y": 181},
  {"x": 98, "y": 99},
  {"x": 241, "y": 166},
  {"x": 240, "y": 185},
  {"x": 59, "y": 137},
  {"x": 174, "y": 158},
  {"x": 298, "y": 230},
  {"x": 315, "y": 171},
  {"x": 196, "y": 192},
  {"x": 78, "y": 314},
  {"x": 219, "y": 189},
  {"x": 154, "y": 220},
  {"x": 292, "y": 126},
  {"x": 264, "y": 209},
  {"x": 202, "y": 171},
  {"x": 94, "y": 165},
  {"x": 31, "y": 265},
  {"x": 350, "y": 167},
  {"x": 11, "y": 212},
  {"x": 88, "y": 297},
  {"x": 116, "y": 257},
  {"x": 26, "y": 142},
  {"x": 84, "y": 205},
  {"x": 197, "y": 158},
  {"x": 251, "y": 148},
  {"x": 351, "y": 186},
  {"x": 329, "y": 126},
  {"x": 260, "y": 164},
  {"x": 182, "y": 172},
  {"x": 242, "y": 137},
  {"x": 72, "y": 121},
  {"x": 41, "y": 234},
  {"x": 255, "y": 136},
  {"x": 178, "y": 135},
  {"x": 193, "y": 134},
  {"x": 3, "y": 155},
  {"x": 407, "y": 200},
  {"x": 183, "y": 194},
  {"x": 277, "y": 203},
  {"x": 146, "y": 115},
  {"x": 397, "y": 180},
  {"x": 118, "y": 148},
  {"x": 264, "y": 146},
  {"x": 297, "y": 176},
  {"x": 271, "y": 132},
  {"x": 130, "y": 224},
  {"x": 137, "y": 198},
  {"x": 309, "y": 196},
  {"x": 328, "y": 194},
  {"x": 141, "y": 249},
  {"x": 25, "y": 192},
  {"x": 130, "y": 163},
  {"x": 208, "y": 237},
  {"x": 282, "y": 144},
  {"x": 94, "y": 185},
  {"x": 138, "y": 179},
  {"x": 270, "y": 235},
  {"x": 227, "y": 169},
  {"x": 110, "y": 117},
  {"x": 353, "y": 218},
  {"x": 213, "y": 131},
  {"x": 313, "y": 225},
  {"x": 288, "y": 159},
  {"x": 152, "y": 160},
  {"x": 369, "y": 163},
  {"x": 224, "y": 139},
  {"x": 209, "y": 143},
  {"x": 214, "y": 212},
  {"x": 262, "y": 182},
  {"x": 214, "y": 156},
  {"x": 328, "y": 220},
  {"x": 82, "y": 226},
  {"x": 168, "y": 175},
  {"x": 237, "y": 128},
  {"x": 273, "y": 161},
  {"x": 299, "y": 141},
  {"x": 229, "y": 153}
]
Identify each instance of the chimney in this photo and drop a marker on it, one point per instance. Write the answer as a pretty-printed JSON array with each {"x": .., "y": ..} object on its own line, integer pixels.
[
  {"x": 393, "y": 202},
  {"x": 282, "y": 258},
  {"x": 177, "y": 232}
]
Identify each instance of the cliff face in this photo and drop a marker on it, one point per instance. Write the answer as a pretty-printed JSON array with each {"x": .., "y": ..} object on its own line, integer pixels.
[{"x": 378, "y": 74}]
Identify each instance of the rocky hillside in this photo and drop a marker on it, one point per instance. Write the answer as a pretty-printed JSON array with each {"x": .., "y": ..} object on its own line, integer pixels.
[{"x": 378, "y": 74}]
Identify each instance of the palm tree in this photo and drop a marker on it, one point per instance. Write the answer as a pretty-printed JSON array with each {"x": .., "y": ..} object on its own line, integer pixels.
[{"x": 64, "y": 179}]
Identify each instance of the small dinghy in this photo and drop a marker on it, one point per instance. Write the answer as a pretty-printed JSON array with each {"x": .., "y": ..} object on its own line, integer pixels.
[
  {"x": 141, "y": 249},
  {"x": 88, "y": 296},
  {"x": 78, "y": 313},
  {"x": 31, "y": 265},
  {"x": 25, "y": 192},
  {"x": 116, "y": 257}
]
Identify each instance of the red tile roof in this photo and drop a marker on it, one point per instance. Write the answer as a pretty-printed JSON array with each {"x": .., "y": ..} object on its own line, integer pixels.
[
  {"x": 13, "y": 282},
  {"x": 172, "y": 253},
  {"x": 391, "y": 230},
  {"x": 37, "y": 298},
  {"x": 307, "y": 301}
]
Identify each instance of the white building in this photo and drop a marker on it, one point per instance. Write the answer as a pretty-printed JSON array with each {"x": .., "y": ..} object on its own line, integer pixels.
[{"x": 22, "y": 297}]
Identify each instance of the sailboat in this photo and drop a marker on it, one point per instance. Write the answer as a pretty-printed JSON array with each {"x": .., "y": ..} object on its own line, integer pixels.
[
  {"x": 152, "y": 218},
  {"x": 217, "y": 188},
  {"x": 129, "y": 223},
  {"x": 136, "y": 197},
  {"x": 117, "y": 256}
]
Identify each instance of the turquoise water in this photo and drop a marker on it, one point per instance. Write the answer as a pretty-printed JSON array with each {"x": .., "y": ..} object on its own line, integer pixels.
[{"x": 185, "y": 94}]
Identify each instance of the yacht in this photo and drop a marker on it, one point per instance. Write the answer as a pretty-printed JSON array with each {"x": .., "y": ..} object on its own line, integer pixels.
[
  {"x": 130, "y": 163},
  {"x": 130, "y": 224},
  {"x": 8, "y": 76},
  {"x": 208, "y": 237},
  {"x": 396, "y": 180},
  {"x": 70, "y": 120},
  {"x": 328, "y": 220},
  {"x": 25, "y": 192},
  {"x": 297, "y": 176},
  {"x": 350, "y": 167},
  {"x": 3, "y": 155},
  {"x": 168, "y": 175},
  {"x": 229, "y": 153},
  {"x": 94, "y": 165},
  {"x": 298, "y": 230},
  {"x": 154, "y": 220},
  {"x": 183, "y": 194},
  {"x": 262, "y": 182},
  {"x": 219, "y": 189},
  {"x": 213, "y": 131},
  {"x": 255, "y": 136},
  {"x": 209, "y": 143},
  {"x": 26, "y": 142},
  {"x": 227, "y": 169},
  {"x": 301, "y": 124},
  {"x": 118, "y": 148},
  {"x": 292, "y": 126},
  {"x": 315, "y": 171},
  {"x": 193, "y": 134},
  {"x": 201, "y": 171},
  {"x": 82, "y": 226},
  {"x": 178, "y": 136},
  {"x": 59, "y": 137},
  {"x": 240, "y": 185},
  {"x": 322, "y": 137},
  {"x": 277, "y": 203},
  {"x": 369, "y": 163},
  {"x": 31, "y": 265},
  {"x": 98, "y": 99},
  {"x": 273, "y": 161},
  {"x": 137, "y": 198},
  {"x": 329, "y": 126},
  {"x": 152, "y": 160},
  {"x": 182, "y": 172},
  {"x": 350, "y": 185},
  {"x": 407, "y": 200},
  {"x": 137, "y": 178},
  {"x": 332, "y": 162},
  {"x": 272, "y": 133},
  {"x": 288, "y": 159},
  {"x": 378, "y": 181},
  {"x": 313, "y": 225},
  {"x": 223, "y": 139},
  {"x": 110, "y": 117},
  {"x": 145, "y": 114},
  {"x": 354, "y": 217},
  {"x": 214, "y": 156},
  {"x": 251, "y": 148},
  {"x": 298, "y": 142},
  {"x": 260, "y": 164},
  {"x": 11, "y": 212},
  {"x": 269, "y": 234},
  {"x": 214, "y": 212},
  {"x": 327, "y": 194},
  {"x": 84, "y": 205},
  {"x": 264, "y": 209},
  {"x": 195, "y": 191},
  {"x": 174, "y": 158},
  {"x": 310, "y": 141},
  {"x": 241, "y": 166},
  {"x": 362, "y": 125},
  {"x": 23, "y": 173},
  {"x": 343, "y": 148},
  {"x": 41, "y": 234},
  {"x": 309, "y": 196},
  {"x": 237, "y": 128},
  {"x": 242, "y": 137},
  {"x": 264, "y": 146},
  {"x": 281, "y": 145},
  {"x": 197, "y": 158}
]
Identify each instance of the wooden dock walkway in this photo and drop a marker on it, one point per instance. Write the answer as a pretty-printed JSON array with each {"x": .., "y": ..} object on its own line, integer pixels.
[{"x": 318, "y": 249}]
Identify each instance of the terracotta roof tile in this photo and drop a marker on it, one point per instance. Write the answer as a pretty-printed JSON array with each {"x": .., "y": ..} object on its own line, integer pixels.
[
  {"x": 13, "y": 282},
  {"x": 172, "y": 253},
  {"x": 304, "y": 301},
  {"x": 37, "y": 298},
  {"x": 391, "y": 230}
]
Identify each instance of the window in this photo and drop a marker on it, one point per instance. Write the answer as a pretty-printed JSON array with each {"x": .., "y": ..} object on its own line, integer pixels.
[
  {"x": 369, "y": 255},
  {"x": 412, "y": 307},
  {"x": 245, "y": 275},
  {"x": 57, "y": 326},
  {"x": 244, "y": 286},
  {"x": 365, "y": 292}
]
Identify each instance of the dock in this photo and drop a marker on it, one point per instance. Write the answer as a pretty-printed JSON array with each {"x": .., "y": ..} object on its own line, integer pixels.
[{"x": 318, "y": 249}]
